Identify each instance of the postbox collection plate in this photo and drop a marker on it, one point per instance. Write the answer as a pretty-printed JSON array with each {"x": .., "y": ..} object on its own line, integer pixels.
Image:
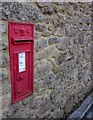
[{"x": 21, "y": 51}]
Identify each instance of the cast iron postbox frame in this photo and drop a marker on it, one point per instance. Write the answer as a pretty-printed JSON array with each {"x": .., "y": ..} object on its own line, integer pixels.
[{"x": 21, "y": 52}]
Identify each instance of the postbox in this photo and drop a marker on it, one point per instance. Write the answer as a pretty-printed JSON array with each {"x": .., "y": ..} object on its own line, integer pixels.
[{"x": 21, "y": 52}]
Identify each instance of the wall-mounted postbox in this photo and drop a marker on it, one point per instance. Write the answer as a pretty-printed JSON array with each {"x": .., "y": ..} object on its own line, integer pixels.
[{"x": 21, "y": 51}]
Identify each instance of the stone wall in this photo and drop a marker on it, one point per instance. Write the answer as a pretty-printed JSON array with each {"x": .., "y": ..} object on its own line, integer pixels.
[{"x": 62, "y": 68}]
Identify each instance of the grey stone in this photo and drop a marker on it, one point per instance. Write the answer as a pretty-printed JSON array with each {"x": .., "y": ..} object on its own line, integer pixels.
[
  {"x": 26, "y": 100},
  {"x": 34, "y": 12},
  {"x": 9, "y": 10},
  {"x": 67, "y": 68},
  {"x": 6, "y": 100},
  {"x": 3, "y": 73},
  {"x": 5, "y": 59},
  {"x": 46, "y": 33},
  {"x": 6, "y": 87},
  {"x": 87, "y": 19},
  {"x": 2, "y": 28},
  {"x": 43, "y": 68},
  {"x": 54, "y": 40},
  {"x": 81, "y": 38},
  {"x": 70, "y": 9},
  {"x": 22, "y": 15},
  {"x": 57, "y": 113},
  {"x": 19, "y": 114},
  {"x": 51, "y": 28},
  {"x": 36, "y": 103},
  {"x": 61, "y": 58},
  {"x": 14, "y": 108},
  {"x": 3, "y": 46},
  {"x": 42, "y": 4},
  {"x": 69, "y": 56},
  {"x": 40, "y": 27},
  {"x": 56, "y": 22},
  {"x": 59, "y": 32},
  {"x": 10, "y": 111},
  {"x": 22, "y": 12},
  {"x": 45, "y": 109},
  {"x": 87, "y": 27},
  {"x": 69, "y": 30},
  {"x": 40, "y": 44},
  {"x": 50, "y": 77},
  {"x": 48, "y": 9},
  {"x": 58, "y": 98}
]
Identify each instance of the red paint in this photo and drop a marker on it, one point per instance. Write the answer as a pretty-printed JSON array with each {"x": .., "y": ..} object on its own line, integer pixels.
[{"x": 21, "y": 40}]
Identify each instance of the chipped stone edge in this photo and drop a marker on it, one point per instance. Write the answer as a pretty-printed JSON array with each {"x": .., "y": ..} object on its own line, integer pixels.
[{"x": 83, "y": 109}]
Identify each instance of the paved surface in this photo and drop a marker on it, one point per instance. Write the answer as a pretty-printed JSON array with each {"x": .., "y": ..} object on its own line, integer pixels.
[
  {"x": 85, "y": 111},
  {"x": 89, "y": 114}
]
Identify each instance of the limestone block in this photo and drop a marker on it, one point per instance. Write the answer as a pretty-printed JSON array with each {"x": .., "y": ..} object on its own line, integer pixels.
[
  {"x": 40, "y": 44},
  {"x": 43, "y": 68},
  {"x": 54, "y": 40},
  {"x": 45, "y": 53}
]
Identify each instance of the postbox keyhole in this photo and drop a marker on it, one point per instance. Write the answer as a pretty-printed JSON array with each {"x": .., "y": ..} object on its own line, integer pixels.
[{"x": 20, "y": 78}]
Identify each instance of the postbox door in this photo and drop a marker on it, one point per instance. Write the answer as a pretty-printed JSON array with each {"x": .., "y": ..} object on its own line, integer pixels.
[{"x": 22, "y": 73}]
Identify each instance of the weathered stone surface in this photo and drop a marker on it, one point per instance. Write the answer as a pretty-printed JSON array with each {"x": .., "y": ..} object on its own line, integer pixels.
[
  {"x": 70, "y": 10},
  {"x": 19, "y": 114},
  {"x": 45, "y": 109},
  {"x": 2, "y": 28},
  {"x": 18, "y": 11},
  {"x": 56, "y": 22},
  {"x": 40, "y": 27},
  {"x": 13, "y": 109},
  {"x": 3, "y": 73},
  {"x": 45, "y": 53},
  {"x": 50, "y": 77},
  {"x": 26, "y": 100},
  {"x": 3, "y": 46},
  {"x": 69, "y": 56},
  {"x": 68, "y": 68},
  {"x": 1, "y": 114},
  {"x": 43, "y": 68},
  {"x": 51, "y": 28},
  {"x": 57, "y": 113},
  {"x": 81, "y": 38},
  {"x": 40, "y": 44},
  {"x": 55, "y": 66},
  {"x": 36, "y": 102},
  {"x": 46, "y": 33},
  {"x": 48, "y": 9},
  {"x": 6, "y": 87},
  {"x": 6, "y": 100},
  {"x": 37, "y": 35},
  {"x": 5, "y": 59},
  {"x": 61, "y": 58},
  {"x": 34, "y": 12},
  {"x": 69, "y": 30},
  {"x": 54, "y": 40},
  {"x": 59, "y": 32}
]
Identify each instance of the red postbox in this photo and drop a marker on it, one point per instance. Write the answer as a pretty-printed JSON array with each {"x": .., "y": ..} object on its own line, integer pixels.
[{"x": 21, "y": 51}]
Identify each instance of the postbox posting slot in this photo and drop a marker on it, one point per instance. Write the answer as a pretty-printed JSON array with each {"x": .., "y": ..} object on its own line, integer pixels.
[{"x": 21, "y": 40}]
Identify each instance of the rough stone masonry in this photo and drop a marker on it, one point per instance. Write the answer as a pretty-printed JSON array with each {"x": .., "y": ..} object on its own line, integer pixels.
[{"x": 62, "y": 68}]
